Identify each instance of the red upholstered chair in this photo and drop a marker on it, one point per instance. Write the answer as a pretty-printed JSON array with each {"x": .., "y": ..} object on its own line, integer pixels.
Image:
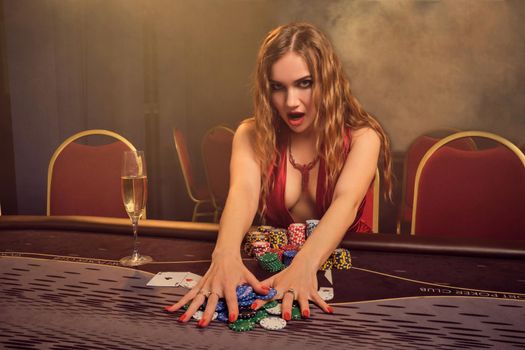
[
  {"x": 478, "y": 193},
  {"x": 413, "y": 156},
  {"x": 371, "y": 210},
  {"x": 197, "y": 191},
  {"x": 216, "y": 153},
  {"x": 84, "y": 179}
]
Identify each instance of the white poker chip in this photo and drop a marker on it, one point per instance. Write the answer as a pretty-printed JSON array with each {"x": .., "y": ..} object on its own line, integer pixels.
[
  {"x": 276, "y": 310},
  {"x": 198, "y": 315},
  {"x": 273, "y": 323},
  {"x": 326, "y": 293}
]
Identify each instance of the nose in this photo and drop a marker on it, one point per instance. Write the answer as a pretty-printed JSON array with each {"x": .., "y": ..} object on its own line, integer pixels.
[{"x": 292, "y": 98}]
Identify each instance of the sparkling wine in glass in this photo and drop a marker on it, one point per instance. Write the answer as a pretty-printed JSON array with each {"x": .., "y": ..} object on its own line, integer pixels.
[{"x": 134, "y": 187}]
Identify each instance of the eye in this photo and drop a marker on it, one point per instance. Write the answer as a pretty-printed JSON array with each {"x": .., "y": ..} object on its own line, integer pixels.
[
  {"x": 275, "y": 86},
  {"x": 305, "y": 84}
]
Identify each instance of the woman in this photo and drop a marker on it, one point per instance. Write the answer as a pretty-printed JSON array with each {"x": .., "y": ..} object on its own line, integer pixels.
[{"x": 310, "y": 151}]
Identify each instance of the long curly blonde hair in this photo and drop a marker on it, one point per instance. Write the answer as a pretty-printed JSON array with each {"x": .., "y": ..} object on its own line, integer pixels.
[{"x": 337, "y": 108}]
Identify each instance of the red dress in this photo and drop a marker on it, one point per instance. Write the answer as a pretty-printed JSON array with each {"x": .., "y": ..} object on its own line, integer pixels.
[{"x": 277, "y": 214}]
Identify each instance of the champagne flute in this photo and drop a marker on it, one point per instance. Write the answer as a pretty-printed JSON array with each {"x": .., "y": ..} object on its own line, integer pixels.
[{"x": 134, "y": 181}]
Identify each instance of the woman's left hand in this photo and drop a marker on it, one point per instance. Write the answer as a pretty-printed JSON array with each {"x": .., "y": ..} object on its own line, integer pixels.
[{"x": 297, "y": 282}]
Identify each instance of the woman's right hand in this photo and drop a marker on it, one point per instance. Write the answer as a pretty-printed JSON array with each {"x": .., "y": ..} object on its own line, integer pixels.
[{"x": 225, "y": 273}]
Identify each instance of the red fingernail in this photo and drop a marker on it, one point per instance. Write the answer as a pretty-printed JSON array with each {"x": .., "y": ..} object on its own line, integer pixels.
[
  {"x": 202, "y": 323},
  {"x": 287, "y": 316},
  {"x": 232, "y": 318},
  {"x": 306, "y": 313},
  {"x": 168, "y": 308},
  {"x": 182, "y": 318},
  {"x": 265, "y": 288},
  {"x": 254, "y": 306},
  {"x": 330, "y": 310}
]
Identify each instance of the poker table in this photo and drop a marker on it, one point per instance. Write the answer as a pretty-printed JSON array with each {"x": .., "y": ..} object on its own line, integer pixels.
[{"x": 62, "y": 288}]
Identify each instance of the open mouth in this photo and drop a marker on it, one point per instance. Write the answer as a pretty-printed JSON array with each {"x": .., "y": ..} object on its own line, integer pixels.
[
  {"x": 295, "y": 118},
  {"x": 295, "y": 115}
]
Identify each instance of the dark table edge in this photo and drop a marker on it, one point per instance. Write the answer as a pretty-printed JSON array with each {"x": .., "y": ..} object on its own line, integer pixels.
[{"x": 208, "y": 232}]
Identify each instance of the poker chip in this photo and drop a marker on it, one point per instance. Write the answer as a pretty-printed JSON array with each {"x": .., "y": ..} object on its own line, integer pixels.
[
  {"x": 297, "y": 234},
  {"x": 270, "y": 262},
  {"x": 246, "y": 302},
  {"x": 243, "y": 291},
  {"x": 241, "y": 325},
  {"x": 288, "y": 257},
  {"x": 327, "y": 265},
  {"x": 222, "y": 316},
  {"x": 277, "y": 251},
  {"x": 271, "y": 294},
  {"x": 326, "y": 293},
  {"x": 259, "y": 248},
  {"x": 271, "y": 304},
  {"x": 341, "y": 259},
  {"x": 247, "y": 314},
  {"x": 310, "y": 226},
  {"x": 198, "y": 315},
  {"x": 272, "y": 323},
  {"x": 276, "y": 310},
  {"x": 277, "y": 238},
  {"x": 296, "y": 313},
  {"x": 264, "y": 228},
  {"x": 221, "y": 305},
  {"x": 259, "y": 315}
]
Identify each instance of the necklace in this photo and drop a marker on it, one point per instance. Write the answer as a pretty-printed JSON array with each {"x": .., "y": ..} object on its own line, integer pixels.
[{"x": 303, "y": 168}]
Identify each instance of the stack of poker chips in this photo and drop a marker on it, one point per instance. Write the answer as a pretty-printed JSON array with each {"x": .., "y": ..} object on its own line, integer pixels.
[
  {"x": 270, "y": 262},
  {"x": 288, "y": 256},
  {"x": 267, "y": 317},
  {"x": 297, "y": 234},
  {"x": 260, "y": 248},
  {"x": 277, "y": 251},
  {"x": 275, "y": 248},
  {"x": 277, "y": 238},
  {"x": 310, "y": 226},
  {"x": 341, "y": 259},
  {"x": 252, "y": 237}
]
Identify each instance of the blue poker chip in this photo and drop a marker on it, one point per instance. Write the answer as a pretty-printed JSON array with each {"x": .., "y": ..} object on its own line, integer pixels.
[
  {"x": 243, "y": 291},
  {"x": 250, "y": 295},
  {"x": 271, "y": 294},
  {"x": 246, "y": 302},
  {"x": 221, "y": 305},
  {"x": 222, "y": 316}
]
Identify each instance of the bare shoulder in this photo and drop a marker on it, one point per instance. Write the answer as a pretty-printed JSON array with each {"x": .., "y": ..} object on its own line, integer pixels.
[
  {"x": 365, "y": 136},
  {"x": 246, "y": 129},
  {"x": 245, "y": 135}
]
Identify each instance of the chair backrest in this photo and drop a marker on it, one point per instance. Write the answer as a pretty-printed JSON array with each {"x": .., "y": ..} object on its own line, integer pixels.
[
  {"x": 478, "y": 193},
  {"x": 371, "y": 210},
  {"x": 84, "y": 179},
  {"x": 216, "y": 153},
  {"x": 195, "y": 191},
  {"x": 413, "y": 156}
]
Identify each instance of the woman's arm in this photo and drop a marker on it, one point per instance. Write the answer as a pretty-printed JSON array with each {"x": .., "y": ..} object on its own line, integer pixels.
[
  {"x": 227, "y": 270},
  {"x": 350, "y": 189},
  {"x": 243, "y": 195}
]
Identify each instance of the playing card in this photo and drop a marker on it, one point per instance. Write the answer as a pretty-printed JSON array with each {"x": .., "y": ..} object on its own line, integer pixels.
[
  {"x": 326, "y": 293},
  {"x": 190, "y": 280},
  {"x": 167, "y": 279}
]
